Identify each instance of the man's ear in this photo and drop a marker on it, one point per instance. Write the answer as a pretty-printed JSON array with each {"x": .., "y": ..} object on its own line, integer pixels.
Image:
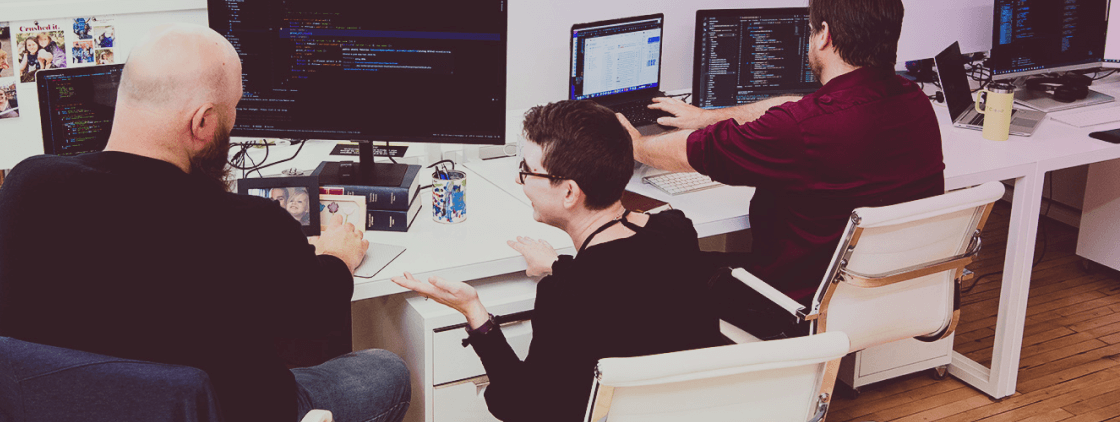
[
  {"x": 573, "y": 195},
  {"x": 204, "y": 123},
  {"x": 824, "y": 37}
]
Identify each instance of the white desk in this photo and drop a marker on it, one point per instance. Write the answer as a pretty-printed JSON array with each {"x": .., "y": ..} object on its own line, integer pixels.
[
  {"x": 971, "y": 160},
  {"x": 476, "y": 250}
]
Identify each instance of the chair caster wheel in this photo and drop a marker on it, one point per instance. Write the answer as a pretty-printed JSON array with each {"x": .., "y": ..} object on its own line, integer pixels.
[{"x": 940, "y": 372}]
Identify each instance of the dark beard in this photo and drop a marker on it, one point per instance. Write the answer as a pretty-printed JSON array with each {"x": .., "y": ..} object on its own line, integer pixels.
[{"x": 210, "y": 163}]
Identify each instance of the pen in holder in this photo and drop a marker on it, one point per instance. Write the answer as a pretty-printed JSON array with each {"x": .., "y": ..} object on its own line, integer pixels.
[{"x": 449, "y": 194}]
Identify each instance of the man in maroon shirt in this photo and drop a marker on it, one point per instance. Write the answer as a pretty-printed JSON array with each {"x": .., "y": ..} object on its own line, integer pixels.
[{"x": 866, "y": 138}]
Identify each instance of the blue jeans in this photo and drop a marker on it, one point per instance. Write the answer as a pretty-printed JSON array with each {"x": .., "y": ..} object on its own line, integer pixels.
[{"x": 364, "y": 386}]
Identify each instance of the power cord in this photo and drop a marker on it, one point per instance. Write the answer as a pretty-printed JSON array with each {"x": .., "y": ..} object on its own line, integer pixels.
[{"x": 241, "y": 156}]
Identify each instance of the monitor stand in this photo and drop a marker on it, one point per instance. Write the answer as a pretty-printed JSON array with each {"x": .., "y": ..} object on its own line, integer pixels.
[
  {"x": 368, "y": 173},
  {"x": 1042, "y": 101}
]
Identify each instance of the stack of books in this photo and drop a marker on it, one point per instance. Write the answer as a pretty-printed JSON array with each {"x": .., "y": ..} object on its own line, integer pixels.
[{"x": 388, "y": 208}]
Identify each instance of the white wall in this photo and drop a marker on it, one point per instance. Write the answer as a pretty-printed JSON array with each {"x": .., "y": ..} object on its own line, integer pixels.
[
  {"x": 23, "y": 137},
  {"x": 538, "y": 46}
]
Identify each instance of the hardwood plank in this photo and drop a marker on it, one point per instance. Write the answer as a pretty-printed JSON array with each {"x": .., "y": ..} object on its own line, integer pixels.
[{"x": 1070, "y": 361}]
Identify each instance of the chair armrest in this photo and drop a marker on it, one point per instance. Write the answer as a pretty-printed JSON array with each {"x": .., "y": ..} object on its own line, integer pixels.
[
  {"x": 318, "y": 415},
  {"x": 792, "y": 306}
]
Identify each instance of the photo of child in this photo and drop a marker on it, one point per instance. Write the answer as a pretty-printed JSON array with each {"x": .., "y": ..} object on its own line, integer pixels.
[
  {"x": 294, "y": 200},
  {"x": 38, "y": 51},
  {"x": 8, "y": 107},
  {"x": 81, "y": 51},
  {"x": 104, "y": 56},
  {"x": 104, "y": 36},
  {"x": 7, "y": 67}
]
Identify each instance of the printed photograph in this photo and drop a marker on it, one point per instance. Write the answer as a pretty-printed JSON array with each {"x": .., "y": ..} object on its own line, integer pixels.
[
  {"x": 81, "y": 52},
  {"x": 38, "y": 51},
  {"x": 9, "y": 109},
  {"x": 352, "y": 208},
  {"x": 104, "y": 36},
  {"x": 294, "y": 200},
  {"x": 7, "y": 66},
  {"x": 83, "y": 28},
  {"x": 104, "y": 56}
]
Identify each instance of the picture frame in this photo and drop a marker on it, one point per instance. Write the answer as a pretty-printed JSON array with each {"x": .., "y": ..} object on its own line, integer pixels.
[
  {"x": 296, "y": 194},
  {"x": 351, "y": 207}
]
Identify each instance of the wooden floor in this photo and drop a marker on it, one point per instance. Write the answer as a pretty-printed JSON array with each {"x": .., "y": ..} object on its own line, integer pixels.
[{"x": 1070, "y": 367}]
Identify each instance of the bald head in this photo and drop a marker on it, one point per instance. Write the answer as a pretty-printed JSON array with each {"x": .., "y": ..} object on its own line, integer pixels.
[
  {"x": 179, "y": 67},
  {"x": 177, "y": 99}
]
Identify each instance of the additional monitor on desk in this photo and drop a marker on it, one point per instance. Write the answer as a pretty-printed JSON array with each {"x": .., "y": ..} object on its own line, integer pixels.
[
  {"x": 76, "y": 107},
  {"x": 412, "y": 71},
  {"x": 747, "y": 55},
  {"x": 1042, "y": 36},
  {"x": 1112, "y": 38}
]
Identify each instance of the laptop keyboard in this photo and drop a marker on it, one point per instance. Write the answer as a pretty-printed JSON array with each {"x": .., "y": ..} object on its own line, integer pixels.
[
  {"x": 978, "y": 119},
  {"x": 639, "y": 113}
]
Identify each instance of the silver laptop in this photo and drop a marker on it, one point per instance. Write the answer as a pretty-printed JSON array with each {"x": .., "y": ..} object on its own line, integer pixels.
[{"x": 958, "y": 96}]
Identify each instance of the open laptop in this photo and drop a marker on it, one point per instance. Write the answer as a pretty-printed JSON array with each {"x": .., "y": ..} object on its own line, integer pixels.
[
  {"x": 958, "y": 95},
  {"x": 617, "y": 63}
]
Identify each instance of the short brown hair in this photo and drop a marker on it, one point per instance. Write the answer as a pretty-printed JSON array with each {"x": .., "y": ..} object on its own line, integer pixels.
[
  {"x": 865, "y": 32},
  {"x": 583, "y": 142}
]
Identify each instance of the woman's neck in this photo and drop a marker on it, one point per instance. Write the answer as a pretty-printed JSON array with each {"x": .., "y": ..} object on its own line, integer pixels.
[{"x": 581, "y": 228}]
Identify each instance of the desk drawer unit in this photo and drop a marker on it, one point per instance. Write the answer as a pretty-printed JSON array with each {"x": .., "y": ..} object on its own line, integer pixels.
[{"x": 448, "y": 380}]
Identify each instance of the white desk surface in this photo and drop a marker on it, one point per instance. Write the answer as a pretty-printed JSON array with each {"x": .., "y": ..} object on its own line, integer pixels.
[
  {"x": 712, "y": 211},
  {"x": 473, "y": 249},
  {"x": 971, "y": 160}
]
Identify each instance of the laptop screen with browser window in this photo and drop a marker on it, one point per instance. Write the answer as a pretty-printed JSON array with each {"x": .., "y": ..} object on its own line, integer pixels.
[{"x": 615, "y": 57}]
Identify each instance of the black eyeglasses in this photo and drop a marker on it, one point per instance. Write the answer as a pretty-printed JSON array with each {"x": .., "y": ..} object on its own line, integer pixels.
[{"x": 524, "y": 171}]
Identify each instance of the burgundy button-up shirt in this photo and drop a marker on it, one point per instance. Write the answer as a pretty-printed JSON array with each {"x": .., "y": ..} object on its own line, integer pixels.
[{"x": 867, "y": 138}]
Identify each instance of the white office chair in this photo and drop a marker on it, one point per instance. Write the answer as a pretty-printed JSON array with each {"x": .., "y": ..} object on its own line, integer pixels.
[
  {"x": 771, "y": 381},
  {"x": 895, "y": 275}
]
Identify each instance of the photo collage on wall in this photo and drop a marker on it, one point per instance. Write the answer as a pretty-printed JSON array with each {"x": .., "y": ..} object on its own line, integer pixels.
[
  {"x": 9, "y": 104},
  {"x": 30, "y": 46},
  {"x": 57, "y": 43}
]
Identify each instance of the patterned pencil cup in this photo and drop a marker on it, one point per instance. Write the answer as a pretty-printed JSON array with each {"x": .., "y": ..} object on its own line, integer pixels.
[{"x": 449, "y": 197}]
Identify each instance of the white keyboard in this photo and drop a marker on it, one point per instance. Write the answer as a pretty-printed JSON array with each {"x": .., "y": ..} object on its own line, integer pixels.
[
  {"x": 1090, "y": 117},
  {"x": 678, "y": 183}
]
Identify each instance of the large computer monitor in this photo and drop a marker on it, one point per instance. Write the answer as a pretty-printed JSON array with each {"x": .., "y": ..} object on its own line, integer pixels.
[
  {"x": 402, "y": 71},
  {"x": 747, "y": 55},
  {"x": 1112, "y": 38},
  {"x": 1042, "y": 36},
  {"x": 76, "y": 107}
]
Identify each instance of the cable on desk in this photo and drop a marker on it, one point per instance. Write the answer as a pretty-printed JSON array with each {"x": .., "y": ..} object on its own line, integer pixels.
[
  {"x": 683, "y": 97},
  {"x": 242, "y": 155},
  {"x": 1097, "y": 78},
  {"x": 257, "y": 168}
]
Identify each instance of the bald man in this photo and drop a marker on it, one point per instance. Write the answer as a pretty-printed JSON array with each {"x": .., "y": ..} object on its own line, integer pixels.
[{"x": 140, "y": 252}]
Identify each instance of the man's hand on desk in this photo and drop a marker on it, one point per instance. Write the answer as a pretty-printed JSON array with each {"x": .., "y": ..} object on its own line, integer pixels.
[
  {"x": 343, "y": 241},
  {"x": 538, "y": 254},
  {"x": 453, "y": 294}
]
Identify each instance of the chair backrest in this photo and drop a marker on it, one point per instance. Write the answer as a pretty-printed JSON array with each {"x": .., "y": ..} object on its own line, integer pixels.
[
  {"x": 775, "y": 380},
  {"x": 47, "y": 383},
  {"x": 896, "y": 273}
]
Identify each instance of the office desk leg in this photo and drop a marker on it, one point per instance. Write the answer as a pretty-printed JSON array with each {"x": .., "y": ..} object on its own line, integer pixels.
[{"x": 999, "y": 381}]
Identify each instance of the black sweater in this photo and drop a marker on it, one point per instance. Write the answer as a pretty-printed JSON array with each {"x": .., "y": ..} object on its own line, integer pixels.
[
  {"x": 128, "y": 256},
  {"x": 635, "y": 296}
]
